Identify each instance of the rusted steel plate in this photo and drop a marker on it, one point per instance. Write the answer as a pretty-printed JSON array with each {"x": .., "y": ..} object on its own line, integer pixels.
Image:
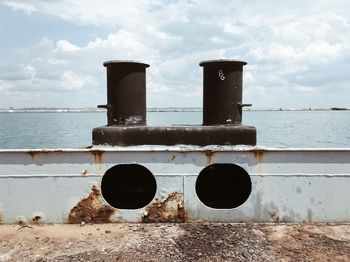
[
  {"x": 63, "y": 186},
  {"x": 171, "y": 209},
  {"x": 91, "y": 209}
]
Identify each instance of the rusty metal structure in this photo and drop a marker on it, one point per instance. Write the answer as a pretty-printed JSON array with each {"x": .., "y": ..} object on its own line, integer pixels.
[
  {"x": 213, "y": 172},
  {"x": 222, "y": 109},
  {"x": 286, "y": 185}
]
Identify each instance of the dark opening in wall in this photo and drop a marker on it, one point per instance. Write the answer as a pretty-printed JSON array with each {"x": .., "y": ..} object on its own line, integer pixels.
[
  {"x": 128, "y": 186},
  {"x": 223, "y": 186}
]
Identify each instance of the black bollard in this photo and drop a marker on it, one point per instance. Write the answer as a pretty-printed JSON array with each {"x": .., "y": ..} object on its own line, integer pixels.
[
  {"x": 222, "y": 92},
  {"x": 126, "y": 93},
  {"x": 126, "y": 89}
]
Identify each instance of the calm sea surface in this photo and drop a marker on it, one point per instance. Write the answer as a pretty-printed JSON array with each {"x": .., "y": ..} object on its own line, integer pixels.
[{"x": 274, "y": 128}]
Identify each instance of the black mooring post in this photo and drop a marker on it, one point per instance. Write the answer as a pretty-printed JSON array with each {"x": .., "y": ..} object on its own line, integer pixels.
[
  {"x": 222, "y": 92},
  {"x": 222, "y": 106},
  {"x": 126, "y": 92}
]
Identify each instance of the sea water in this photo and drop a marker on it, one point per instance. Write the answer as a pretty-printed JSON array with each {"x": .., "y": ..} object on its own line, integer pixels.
[{"x": 328, "y": 129}]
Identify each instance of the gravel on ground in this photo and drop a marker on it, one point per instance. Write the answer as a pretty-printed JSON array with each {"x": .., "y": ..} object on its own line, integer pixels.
[{"x": 175, "y": 242}]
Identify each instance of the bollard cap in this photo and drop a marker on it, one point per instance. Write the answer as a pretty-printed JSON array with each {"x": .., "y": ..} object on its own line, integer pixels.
[
  {"x": 114, "y": 62},
  {"x": 222, "y": 62}
]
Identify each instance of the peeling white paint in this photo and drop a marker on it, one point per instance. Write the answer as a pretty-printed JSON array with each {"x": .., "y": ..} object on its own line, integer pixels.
[{"x": 288, "y": 184}]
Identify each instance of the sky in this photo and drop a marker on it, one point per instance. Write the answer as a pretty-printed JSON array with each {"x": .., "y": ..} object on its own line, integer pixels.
[{"x": 52, "y": 51}]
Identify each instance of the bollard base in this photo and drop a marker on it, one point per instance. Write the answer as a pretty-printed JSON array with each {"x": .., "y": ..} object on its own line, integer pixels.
[{"x": 173, "y": 135}]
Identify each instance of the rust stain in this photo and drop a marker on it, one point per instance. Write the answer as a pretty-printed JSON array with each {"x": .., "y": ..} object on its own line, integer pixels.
[
  {"x": 98, "y": 160},
  {"x": 98, "y": 157},
  {"x": 32, "y": 155},
  {"x": 274, "y": 215},
  {"x": 259, "y": 157},
  {"x": 21, "y": 221},
  {"x": 209, "y": 156},
  {"x": 170, "y": 210},
  {"x": 36, "y": 220},
  {"x": 1, "y": 219},
  {"x": 173, "y": 156},
  {"x": 91, "y": 210}
]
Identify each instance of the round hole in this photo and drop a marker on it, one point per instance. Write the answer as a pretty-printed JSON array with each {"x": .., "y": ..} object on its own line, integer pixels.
[
  {"x": 128, "y": 186},
  {"x": 223, "y": 186}
]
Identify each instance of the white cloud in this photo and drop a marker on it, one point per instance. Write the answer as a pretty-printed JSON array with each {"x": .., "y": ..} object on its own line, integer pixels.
[
  {"x": 72, "y": 80},
  {"x": 4, "y": 85},
  {"x": 216, "y": 39},
  {"x": 65, "y": 46},
  {"x": 83, "y": 12},
  {"x": 305, "y": 89},
  {"x": 292, "y": 48},
  {"x": 54, "y": 61},
  {"x": 29, "y": 71},
  {"x": 158, "y": 88},
  {"x": 27, "y": 8},
  {"x": 122, "y": 39},
  {"x": 322, "y": 51},
  {"x": 235, "y": 30}
]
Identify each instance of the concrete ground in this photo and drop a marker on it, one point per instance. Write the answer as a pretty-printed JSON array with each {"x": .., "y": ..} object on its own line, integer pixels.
[{"x": 175, "y": 242}]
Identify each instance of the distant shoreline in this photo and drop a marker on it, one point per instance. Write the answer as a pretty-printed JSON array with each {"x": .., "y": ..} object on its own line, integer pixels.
[{"x": 90, "y": 110}]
